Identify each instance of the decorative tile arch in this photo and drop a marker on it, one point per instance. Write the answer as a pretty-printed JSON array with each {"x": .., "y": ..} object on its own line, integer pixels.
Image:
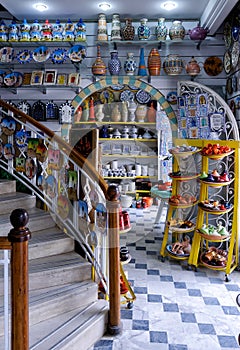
[{"x": 123, "y": 80}]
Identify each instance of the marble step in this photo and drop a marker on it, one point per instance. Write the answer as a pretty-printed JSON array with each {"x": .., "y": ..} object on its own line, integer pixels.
[
  {"x": 51, "y": 241},
  {"x": 51, "y": 302},
  {"x": 38, "y": 220},
  {"x": 7, "y": 186},
  {"x": 73, "y": 330},
  {"x": 15, "y": 200}
]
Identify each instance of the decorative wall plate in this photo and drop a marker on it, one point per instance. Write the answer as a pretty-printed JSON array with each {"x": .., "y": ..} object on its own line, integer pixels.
[
  {"x": 172, "y": 97},
  {"x": 8, "y": 151},
  {"x": 235, "y": 54},
  {"x": 117, "y": 87},
  {"x": 19, "y": 77},
  {"x": 21, "y": 139},
  {"x": 227, "y": 62},
  {"x": 30, "y": 168},
  {"x": 8, "y": 126},
  {"x": 213, "y": 66},
  {"x": 143, "y": 96},
  {"x": 24, "y": 56},
  {"x": 106, "y": 96},
  {"x": 126, "y": 95},
  {"x": 41, "y": 54},
  {"x": 10, "y": 79},
  {"x": 6, "y": 54},
  {"x": 77, "y": 53},
  {"x": 59, "y": 55}
]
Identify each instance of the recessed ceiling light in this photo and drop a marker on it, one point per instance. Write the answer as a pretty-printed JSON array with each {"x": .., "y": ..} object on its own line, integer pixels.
[
  {"x": 104, "y": 6},
  {"x": 40, "y": 7},
  {"x": 169, "y": 5}
]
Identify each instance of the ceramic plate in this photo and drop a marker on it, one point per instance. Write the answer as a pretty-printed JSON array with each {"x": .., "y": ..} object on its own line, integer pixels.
[
  {"x": 227, "y": 34},
  {"x": 142, "y": 96},
  {"x": 59, "y": 55},
  {"x": 106, "y": 96},
  {"x": 19, "y": 77},
  {"x": 24, "y": 56},
  {"x": 10, "y": 79},
  {"x": 213, "y": 66},
  {"x": 169, "y": 249},
  {"x": 6, "y": 54},
  {"x": 172, "y": 97},
  {"x": 24, "y": 106},
  {"x": 41, "y": 54},
  {"x": 117, "y": 87},
  {"x": 77, "y": 53},
  {"x": 227, "y": 62},
  {"x": 126, "y": 95},
  {"x": 235, "y": 54}
]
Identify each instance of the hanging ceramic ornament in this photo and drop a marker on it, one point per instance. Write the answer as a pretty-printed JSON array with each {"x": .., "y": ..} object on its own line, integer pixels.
[{"x": 30, "y": 168}]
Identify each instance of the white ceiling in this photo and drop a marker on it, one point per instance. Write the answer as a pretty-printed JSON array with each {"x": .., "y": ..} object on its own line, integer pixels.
[{"x": 210, "y": 13}]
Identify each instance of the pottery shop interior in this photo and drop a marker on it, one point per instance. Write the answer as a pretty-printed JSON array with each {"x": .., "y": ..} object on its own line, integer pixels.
[{"x": 146, "y": 97}]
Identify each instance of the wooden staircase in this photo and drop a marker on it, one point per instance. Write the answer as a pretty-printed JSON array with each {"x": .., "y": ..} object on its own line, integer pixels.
[{"x": 64, "y": 310}]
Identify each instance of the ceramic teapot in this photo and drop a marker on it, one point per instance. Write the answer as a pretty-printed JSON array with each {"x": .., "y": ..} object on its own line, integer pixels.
[
  {"x": 192, "y": 67},
  {"x": 198, "y": 33}
]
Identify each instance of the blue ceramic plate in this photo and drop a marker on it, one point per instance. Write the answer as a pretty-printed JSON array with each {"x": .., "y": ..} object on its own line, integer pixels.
[
  {"x": 127, "y": 95},
  {"x": 24, "y": 56},
  {"x": 77, "y": 53},
  {"x": 59, "y": 55},
  {"x": 142, "y": 96},
  {"x": 10, "y": 79},
  {"x": 41, "y": 54}
]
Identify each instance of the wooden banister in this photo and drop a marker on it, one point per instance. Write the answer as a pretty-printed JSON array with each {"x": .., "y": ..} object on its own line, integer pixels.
[
  {"x": 19, "y": 236},
  {"x": 113, "y": 205}
]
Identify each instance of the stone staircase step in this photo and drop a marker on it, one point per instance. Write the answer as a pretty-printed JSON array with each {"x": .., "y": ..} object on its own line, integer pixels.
[
  {"x": 75, "y": 330},
  {"x": 7, "y": 186},
  {"x": 11, "y": 201},
  {"x": 48, "y": 242},
  {"x": 38, "y": 220}
]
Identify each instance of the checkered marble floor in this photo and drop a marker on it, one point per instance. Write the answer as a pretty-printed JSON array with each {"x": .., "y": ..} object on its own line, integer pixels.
[{"x": 175, "y": 308}]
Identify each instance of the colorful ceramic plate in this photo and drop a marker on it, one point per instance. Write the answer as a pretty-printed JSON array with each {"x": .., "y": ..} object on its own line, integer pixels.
[
  {"x": 19, "y": 77},
  {"x": 235, "y": 54},
  {"x": 25, "y": 107},
  {"x": 117, "y": 87},
  {"x": 143, "y": 96},
  {"x": 126, "y": 95},
  {"x": 59, "y": 55},
  {"x": 227, "y": 34},
  {"x": 106, "y": 96},
  {"x": 41, "y": 54},
  {"x": 77, "y": 53},
  {"x": 6, "y": 54},
  {"x": 24, "y": 56},
  {"x": 172, "y": 97},
  {"x": 10, "y": 79},
  {"x": 213, "y": 66},
  {"x": 227, "y": 62},
  {"x": 169, "y": 250}
]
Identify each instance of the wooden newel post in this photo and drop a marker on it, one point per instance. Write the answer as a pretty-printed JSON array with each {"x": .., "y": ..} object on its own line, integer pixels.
[
  {"x": 19, "y": 237},
  {"x": 113, "y": 205}
]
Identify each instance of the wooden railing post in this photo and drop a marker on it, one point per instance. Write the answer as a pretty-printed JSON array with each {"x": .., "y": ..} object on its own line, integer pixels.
[
  {"x": 19, "y": 237},
  {"x": 113, "y": 205}
]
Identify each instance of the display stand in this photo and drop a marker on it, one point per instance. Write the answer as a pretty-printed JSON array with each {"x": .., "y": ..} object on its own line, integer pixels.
[
  {"x": 126, "y": 299},
  {"x": 226, "y": 214}
]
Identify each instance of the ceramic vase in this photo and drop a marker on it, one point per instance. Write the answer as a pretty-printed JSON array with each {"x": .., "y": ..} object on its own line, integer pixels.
[
  {"x": 192, "y": 67},
  {"x": 131, "y": 108},
  {"x": 154, "y": 62},
  {"x": 116, "y": 114},
  {"x": 102, "y": 28},
  {"x": 116, "y": 27},
  {"x": 177, "y": 31},
  {"x": 114, "y": 64},
  {"x": 130, "y": 64},
  {"x": 99, "y": 112},
  {"x": 142, "y": 70},
  {"x": 143, "y": 30},
  {"x": 173, "y": 64},
  {"x": 161, "y": 29},
  {"x": 124, "y": 111},
  {"x": 151, "y": 112},
  {"x": 141, "y": 112},
  {"x": 99, "y": 67},
  {"x": 128, "y": 31}
]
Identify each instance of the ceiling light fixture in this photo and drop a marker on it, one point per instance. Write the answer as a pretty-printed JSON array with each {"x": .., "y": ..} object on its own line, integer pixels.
[
  {"x": 40, "y": 7},
  {"x": 169, "y": 5},
  {"x": 104, "y": 6}
]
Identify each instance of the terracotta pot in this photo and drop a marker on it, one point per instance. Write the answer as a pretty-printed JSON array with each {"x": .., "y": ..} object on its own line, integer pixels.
[
  {"x": 192, "y": 67},
  {"x": 154, "y": 62}
]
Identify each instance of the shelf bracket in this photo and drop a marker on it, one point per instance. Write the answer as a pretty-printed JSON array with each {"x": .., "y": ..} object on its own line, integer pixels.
[
  {"x": 149, "y": 79},
  {"x": 159, "y": 46}
]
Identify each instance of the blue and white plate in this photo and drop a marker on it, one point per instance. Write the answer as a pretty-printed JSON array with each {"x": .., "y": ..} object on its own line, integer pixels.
[
  {"x": 10, "y": 79},
  {"x": 127, "y": 95},
  {"x": 24, "y": 56},
  {"x": 59, "y": 55},
  {"x": 41, "y": 54},
  {"x": 77, "y": 53},
  {"x": 143, "y": 96}
]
